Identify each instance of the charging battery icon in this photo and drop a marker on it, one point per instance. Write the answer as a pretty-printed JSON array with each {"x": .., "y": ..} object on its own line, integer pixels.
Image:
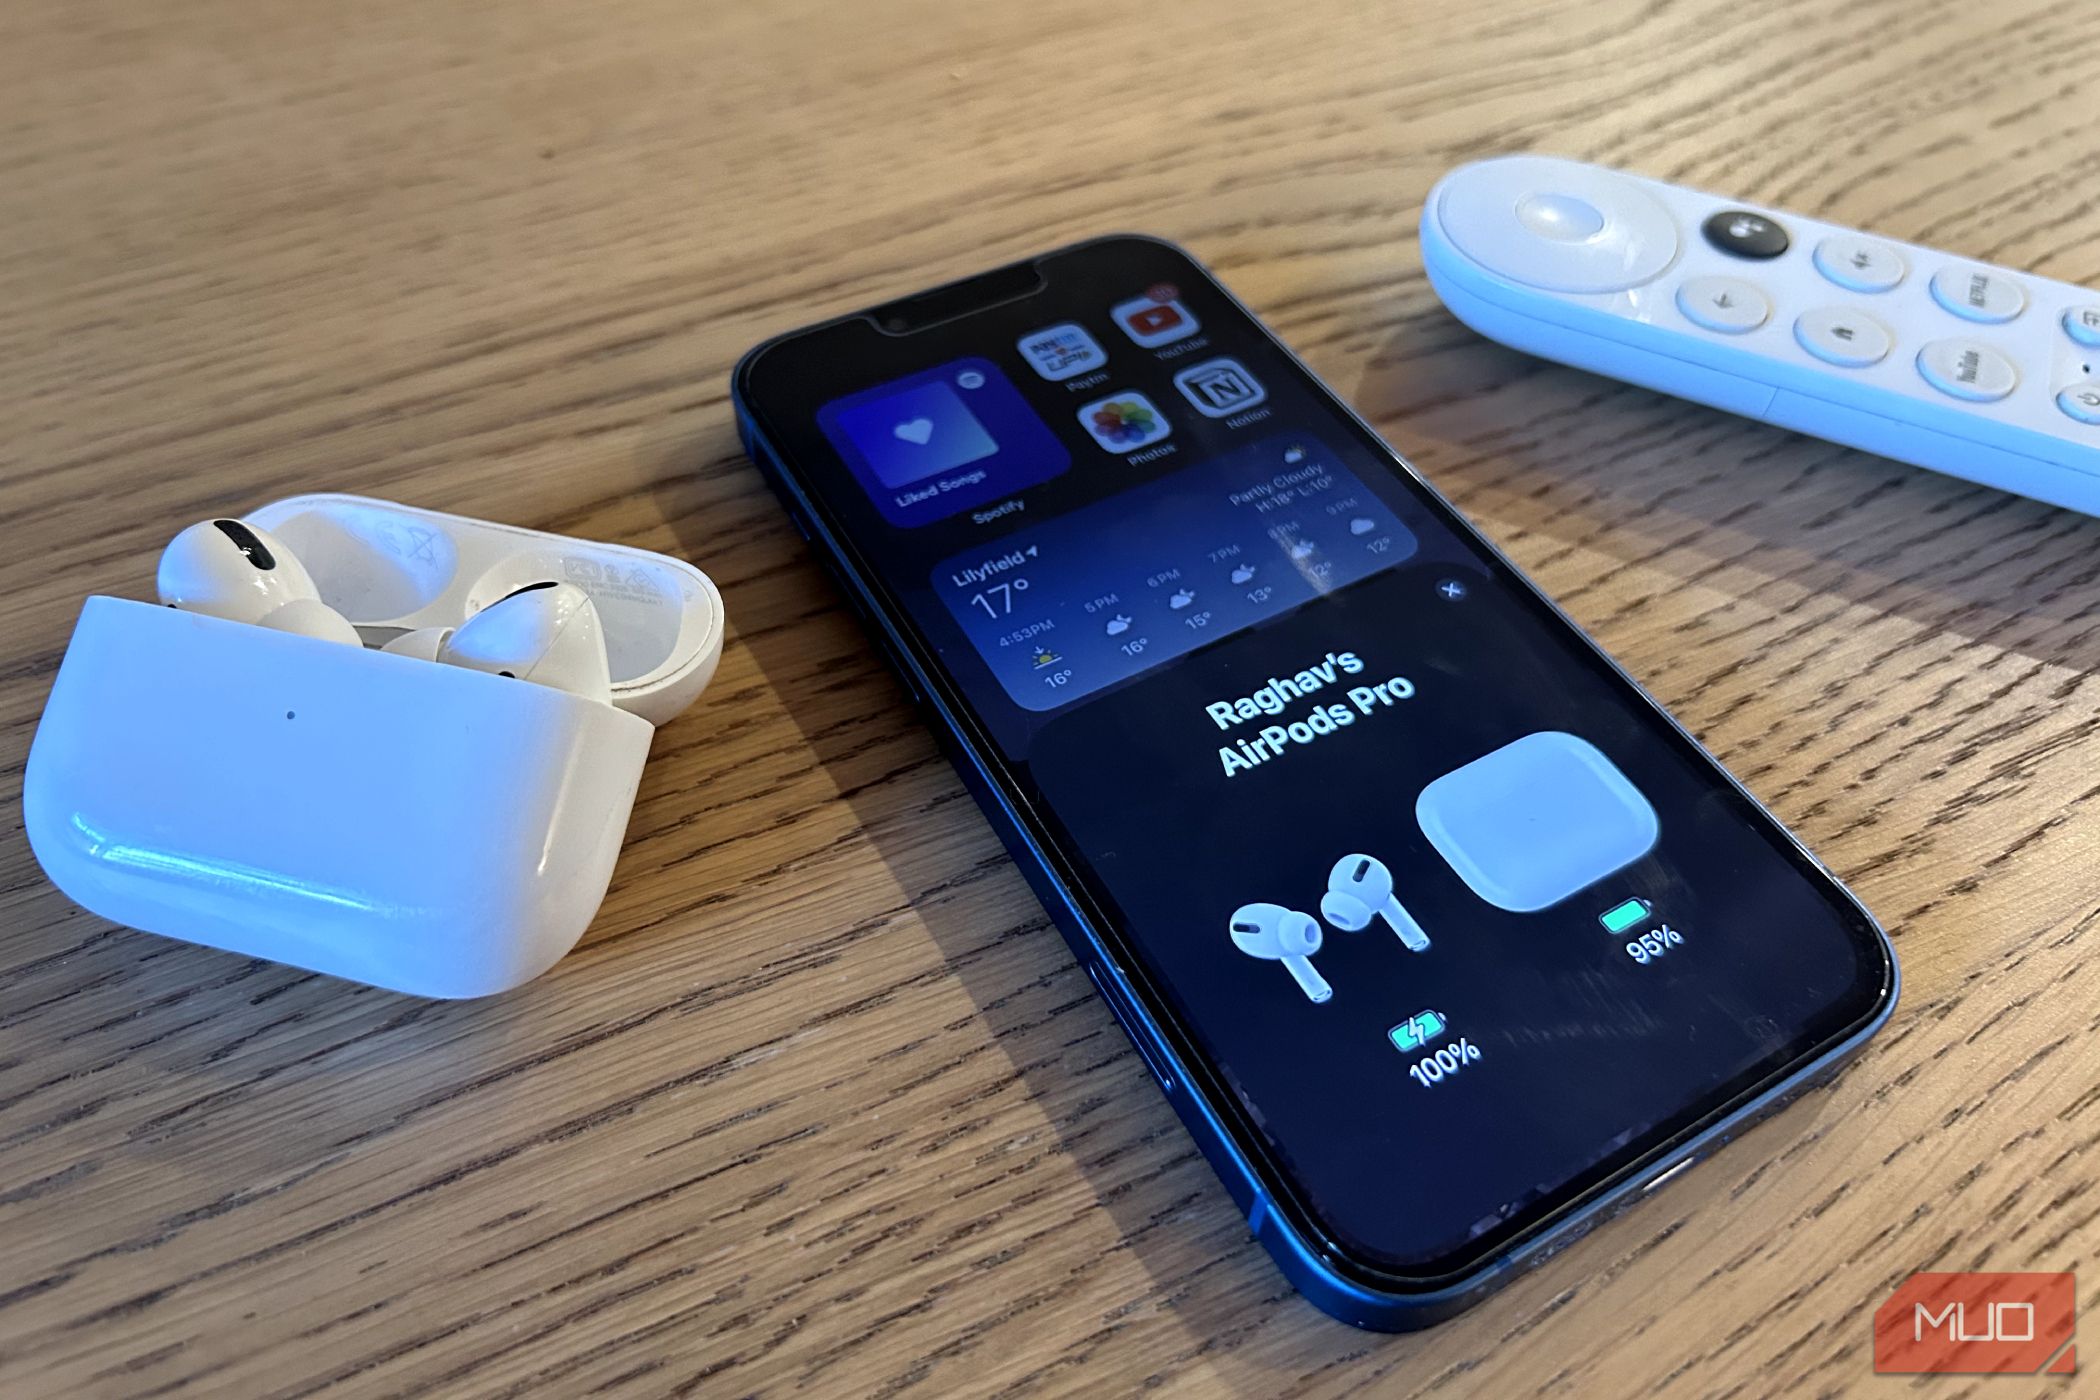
[
  {"x": 1623, "y": 916},
  {"x": 1416, "y": 1031}
]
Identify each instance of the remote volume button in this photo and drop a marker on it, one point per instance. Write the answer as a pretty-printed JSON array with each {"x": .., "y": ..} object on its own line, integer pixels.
[
  {"x": 1978, "y": 294},
  {"x": 2082, "y": 324},
  {"x": 1744, "y": 233},
  {"x": 1859, "y": 264},
  {"x": 1843, "y": 337},
  {"x": 1725, "y": 304},
  {"x": 2082, "y": 401},
  {"x": 1967, "y": 369},
  {"x": 1523, "y": 218}
]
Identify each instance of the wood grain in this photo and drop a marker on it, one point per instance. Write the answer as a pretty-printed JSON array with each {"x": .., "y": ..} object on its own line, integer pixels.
[{"x": 822, "y": 1105}]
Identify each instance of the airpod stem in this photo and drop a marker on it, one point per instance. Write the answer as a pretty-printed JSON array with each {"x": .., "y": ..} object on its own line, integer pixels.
[
  {"x": 1309, "y": 979},
  {"x": 1411, "y": 933}
]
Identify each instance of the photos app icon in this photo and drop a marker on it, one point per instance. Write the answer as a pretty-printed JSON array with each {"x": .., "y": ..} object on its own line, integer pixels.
[{"x": 1124, "y": 422}]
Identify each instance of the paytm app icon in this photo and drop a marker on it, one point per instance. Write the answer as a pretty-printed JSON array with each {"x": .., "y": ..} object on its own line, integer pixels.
[{"x": 940, "y": 441}]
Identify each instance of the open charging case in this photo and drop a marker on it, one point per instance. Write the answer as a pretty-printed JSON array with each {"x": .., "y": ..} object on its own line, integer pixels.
[{"x": 416, "y": 826}]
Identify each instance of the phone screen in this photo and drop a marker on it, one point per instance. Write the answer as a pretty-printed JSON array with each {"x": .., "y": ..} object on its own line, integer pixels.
[{"x": 1454, "y": 923}]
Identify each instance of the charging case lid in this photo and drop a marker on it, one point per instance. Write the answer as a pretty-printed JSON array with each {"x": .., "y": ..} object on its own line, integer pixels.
[{"x": 392, "y": 568}]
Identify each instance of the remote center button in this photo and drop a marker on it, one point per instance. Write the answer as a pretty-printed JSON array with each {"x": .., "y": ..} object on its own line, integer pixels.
[
  {"x": 1741, "y": 233},
  {"x": 1859, "y": 264},
  {"x": 1725, "y": 304},
  {"x": 1561, "y": 217},
  {"x": 2082, "y": 324},
  {"x": 2082, "y": 401},
  {"x": 1843, "y": 337},
  {"x": 1522, "y": 218},
  {"x": 1967, "y": 369},
  {"x": 1978, "y": 293}
]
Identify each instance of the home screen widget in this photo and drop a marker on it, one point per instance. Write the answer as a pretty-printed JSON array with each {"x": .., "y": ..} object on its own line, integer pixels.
[
  {"x": 1124, "y": 422},
  {"x": 943, "y": 440},
  {"x": 1141, "y": 576},
  {"x": 1061, "y": 351},
  {"x": 1156, "y": 318},
  {"x": 1220, "y": 388}
]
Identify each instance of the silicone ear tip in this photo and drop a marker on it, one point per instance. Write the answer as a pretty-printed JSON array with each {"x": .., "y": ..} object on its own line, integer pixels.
[{"x": 1344, "y": 911}]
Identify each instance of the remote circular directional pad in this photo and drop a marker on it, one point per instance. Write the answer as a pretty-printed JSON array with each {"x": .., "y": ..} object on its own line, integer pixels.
[{"x": 1556, "y": 225}]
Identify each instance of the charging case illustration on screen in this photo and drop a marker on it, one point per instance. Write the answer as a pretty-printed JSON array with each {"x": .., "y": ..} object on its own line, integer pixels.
[
  {"x": 1532, "y": 822},
  {"x": 1288, "y": 936},
  {"x": 1360, "y": 889}
]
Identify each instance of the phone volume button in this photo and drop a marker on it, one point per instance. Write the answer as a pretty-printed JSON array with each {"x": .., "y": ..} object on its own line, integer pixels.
[{"x": 1126, "y": 1018}]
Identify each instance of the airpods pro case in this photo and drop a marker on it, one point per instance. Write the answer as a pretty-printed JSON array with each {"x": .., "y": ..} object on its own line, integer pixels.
[{"x": 416, "y": 826}]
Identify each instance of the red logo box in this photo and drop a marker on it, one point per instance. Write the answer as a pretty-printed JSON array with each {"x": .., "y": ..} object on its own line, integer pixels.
[{"x": 2007, "y": 1324}]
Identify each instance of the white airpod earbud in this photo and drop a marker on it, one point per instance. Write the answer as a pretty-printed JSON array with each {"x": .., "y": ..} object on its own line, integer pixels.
[
  {"x": 310, "y": 617},
  {"x": 1289, "y": 937},
  {"x": 1359, "y": 889},
  {"x": 547, "y": 633},
  {"x": 230, "y": 569}
]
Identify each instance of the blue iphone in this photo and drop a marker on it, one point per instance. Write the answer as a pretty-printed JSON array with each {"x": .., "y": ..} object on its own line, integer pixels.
[{"x": 1442, "y": 937}]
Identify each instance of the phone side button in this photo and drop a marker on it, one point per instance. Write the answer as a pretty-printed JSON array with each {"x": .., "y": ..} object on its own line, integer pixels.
[
  {"x": 1129, "y": 1022},
  {"x": 1667, "y": 1174}
]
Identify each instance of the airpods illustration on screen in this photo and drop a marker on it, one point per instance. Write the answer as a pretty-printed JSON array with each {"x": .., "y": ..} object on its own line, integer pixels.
[
  {"x": 231, "y": 569},
  {"x": 1359, "y": 889},
  {"x": 1285, "y": 935}
]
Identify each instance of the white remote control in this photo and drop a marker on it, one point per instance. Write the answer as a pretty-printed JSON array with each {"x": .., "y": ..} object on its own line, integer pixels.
[{"x": 1968, "y": 369}]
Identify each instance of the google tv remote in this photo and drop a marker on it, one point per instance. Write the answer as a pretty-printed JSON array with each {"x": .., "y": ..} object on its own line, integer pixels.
[{"x": 1973, "y": 370}]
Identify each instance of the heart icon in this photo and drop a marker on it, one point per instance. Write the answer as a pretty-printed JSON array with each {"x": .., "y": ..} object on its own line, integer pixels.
[{"x": 916, "y": 430}]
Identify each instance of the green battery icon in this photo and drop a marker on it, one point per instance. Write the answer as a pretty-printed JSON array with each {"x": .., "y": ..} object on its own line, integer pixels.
[
  {"x": 1621, "y": 917},
  {"x": 1416, "y": 1031}
]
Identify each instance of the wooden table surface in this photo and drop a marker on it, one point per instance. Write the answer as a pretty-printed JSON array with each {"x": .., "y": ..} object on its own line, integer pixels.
[{"x": 822, "y": 1105}]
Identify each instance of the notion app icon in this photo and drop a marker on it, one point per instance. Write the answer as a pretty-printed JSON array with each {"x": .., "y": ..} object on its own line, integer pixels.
[
  {"x": 1536, "y": 820},
  {"x": 1220, "y": 388},
  {"x": 943, "y": 440}
]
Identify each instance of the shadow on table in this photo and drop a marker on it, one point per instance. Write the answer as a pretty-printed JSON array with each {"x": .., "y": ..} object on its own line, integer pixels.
[{"x": 1612, "y": 468}]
